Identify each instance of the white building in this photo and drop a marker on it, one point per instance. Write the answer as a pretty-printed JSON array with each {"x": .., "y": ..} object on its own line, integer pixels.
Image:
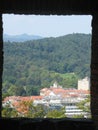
[{"x": 84, "y": 84}]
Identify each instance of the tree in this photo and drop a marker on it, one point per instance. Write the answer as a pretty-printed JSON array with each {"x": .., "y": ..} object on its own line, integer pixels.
[
  {"x": 56, "y": 113},
  {"x": 40, "y": 62},
  {"x": 85, "y": 106},
  {"x": 9, "y": 112},
  {"x": 27, "y": 109}
]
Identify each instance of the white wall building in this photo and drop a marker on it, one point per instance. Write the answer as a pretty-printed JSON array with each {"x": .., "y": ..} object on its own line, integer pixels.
[{"x": 84, "y": 84}]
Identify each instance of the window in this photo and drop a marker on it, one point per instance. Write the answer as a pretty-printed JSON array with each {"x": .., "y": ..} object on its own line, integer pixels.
[{"x": 38, "y": 72}]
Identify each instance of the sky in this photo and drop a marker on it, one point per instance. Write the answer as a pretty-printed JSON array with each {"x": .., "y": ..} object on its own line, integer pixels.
[{"x": 46, "y": 25}]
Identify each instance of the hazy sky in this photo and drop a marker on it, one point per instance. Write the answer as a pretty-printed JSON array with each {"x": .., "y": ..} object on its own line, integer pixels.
[{"x": 46, "y": 26}]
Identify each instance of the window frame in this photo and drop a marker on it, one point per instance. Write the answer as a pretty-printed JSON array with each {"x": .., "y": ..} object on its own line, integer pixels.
[{"x": 2, "y": 66}]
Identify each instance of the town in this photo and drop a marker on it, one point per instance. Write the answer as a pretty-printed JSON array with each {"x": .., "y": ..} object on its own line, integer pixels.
[{"x": 56, "y": 97}]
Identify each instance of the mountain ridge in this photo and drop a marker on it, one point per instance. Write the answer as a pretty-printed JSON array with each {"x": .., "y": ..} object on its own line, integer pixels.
[{"x": 20, "y": 38}]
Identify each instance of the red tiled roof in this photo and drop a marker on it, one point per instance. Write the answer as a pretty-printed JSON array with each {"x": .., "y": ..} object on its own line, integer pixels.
[{"x": 65, "y": 92}]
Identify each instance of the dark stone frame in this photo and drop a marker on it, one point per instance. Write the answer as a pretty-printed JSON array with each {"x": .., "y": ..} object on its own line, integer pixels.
[{"x": 67, "y": 7}]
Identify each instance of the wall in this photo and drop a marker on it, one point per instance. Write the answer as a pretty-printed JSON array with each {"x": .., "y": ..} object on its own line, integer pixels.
[
  {"x": 1, "y": 60},
  {"x": 84, "y": 84},
  {"x": 48, "y": 124},
  {"x": 59, "y": 7},
  {"x": 94, "y": 70}
]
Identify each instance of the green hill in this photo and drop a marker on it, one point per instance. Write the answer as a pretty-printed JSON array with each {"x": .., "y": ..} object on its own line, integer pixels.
[{"x": 32, "y": 65}]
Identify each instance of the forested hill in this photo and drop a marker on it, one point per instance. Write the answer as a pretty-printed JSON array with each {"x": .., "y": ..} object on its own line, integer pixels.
[{"x": 35, "y": 64}]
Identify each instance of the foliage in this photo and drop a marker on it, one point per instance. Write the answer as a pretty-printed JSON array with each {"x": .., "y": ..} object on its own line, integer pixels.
[
  {"x": 32, "y": 65},
  {"x": 79, "y": 116},
  {"x": 9, "y": 112},
  {"x": 27, "y": 109},
  {"x": 56, "y": 113},
  {"x": 85, "y": 106}
]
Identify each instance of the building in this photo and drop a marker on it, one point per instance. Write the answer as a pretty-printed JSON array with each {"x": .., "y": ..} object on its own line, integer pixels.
[
  {"x": 54, "y": 97},
  {"x": 68, "y": 98},
  {"x": 84, "y": 84}
]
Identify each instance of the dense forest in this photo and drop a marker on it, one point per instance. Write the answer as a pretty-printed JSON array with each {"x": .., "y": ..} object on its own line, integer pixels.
[{"x": 32, "y": 65}]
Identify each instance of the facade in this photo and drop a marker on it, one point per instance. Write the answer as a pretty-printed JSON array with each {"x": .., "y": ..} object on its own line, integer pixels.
[{"x": 84, "y": 84}]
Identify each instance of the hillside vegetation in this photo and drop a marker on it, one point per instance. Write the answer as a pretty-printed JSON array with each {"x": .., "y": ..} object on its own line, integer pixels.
[{"x": 32, "y": 65}]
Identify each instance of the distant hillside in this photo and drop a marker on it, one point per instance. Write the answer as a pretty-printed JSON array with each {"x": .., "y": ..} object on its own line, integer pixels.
[
  {"x": 32, "y": 65},
  {"x": 20, "y": 38}
]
